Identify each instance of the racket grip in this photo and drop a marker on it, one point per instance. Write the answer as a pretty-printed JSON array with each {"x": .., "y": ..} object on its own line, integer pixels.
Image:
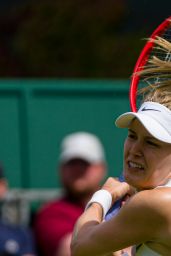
[{"x": 116, "y": 206}]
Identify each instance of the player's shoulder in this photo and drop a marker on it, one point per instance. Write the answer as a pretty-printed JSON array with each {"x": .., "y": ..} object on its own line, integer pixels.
[
  {"x": 152, "y": 200},
  {"x": 162, "y": 193}
]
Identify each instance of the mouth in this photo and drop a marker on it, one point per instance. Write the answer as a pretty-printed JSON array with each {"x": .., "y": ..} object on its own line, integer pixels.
[{"x": 134, "y": 165}]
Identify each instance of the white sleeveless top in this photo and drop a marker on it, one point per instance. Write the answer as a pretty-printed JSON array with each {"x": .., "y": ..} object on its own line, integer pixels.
[{"x": 143, "y": 249}]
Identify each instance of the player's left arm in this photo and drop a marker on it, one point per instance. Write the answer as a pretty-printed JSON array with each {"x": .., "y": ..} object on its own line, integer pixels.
[{"x": 139, "y": 220}]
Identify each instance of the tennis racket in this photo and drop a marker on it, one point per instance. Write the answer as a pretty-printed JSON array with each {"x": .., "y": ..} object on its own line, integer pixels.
[{"x": 152, "y": 48}]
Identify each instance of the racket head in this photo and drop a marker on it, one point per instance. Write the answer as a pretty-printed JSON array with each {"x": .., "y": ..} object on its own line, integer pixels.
[{"x": 150, "y": 49}]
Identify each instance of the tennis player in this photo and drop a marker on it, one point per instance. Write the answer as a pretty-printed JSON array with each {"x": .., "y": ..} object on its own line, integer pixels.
[{"x": 144, "y": 221}]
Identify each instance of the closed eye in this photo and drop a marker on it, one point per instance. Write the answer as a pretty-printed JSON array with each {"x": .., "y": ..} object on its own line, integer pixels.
[
  {"x": 152, "y": 143},
  {"x": 131, "y": 134}
]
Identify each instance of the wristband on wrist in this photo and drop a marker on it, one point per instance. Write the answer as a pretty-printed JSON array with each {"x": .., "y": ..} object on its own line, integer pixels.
[{"x": 102, "y": 197}]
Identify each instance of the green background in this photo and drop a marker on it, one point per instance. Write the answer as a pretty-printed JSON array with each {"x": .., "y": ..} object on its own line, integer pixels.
[{"x": 36, "y": 114}]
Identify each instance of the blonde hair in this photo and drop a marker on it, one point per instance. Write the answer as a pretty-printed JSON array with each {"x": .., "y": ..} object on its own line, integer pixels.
[{"x": 157, "y": 73}]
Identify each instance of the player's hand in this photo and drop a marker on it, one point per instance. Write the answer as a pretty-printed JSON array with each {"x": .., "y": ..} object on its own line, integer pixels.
[{"x": 118, "y": 189}]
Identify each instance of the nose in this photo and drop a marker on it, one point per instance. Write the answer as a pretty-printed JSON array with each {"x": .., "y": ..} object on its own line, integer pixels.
[{"x": 136, "y": 148}]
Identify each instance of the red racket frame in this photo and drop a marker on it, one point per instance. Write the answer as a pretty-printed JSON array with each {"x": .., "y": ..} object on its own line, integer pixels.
[{"x": 141, "y": 62}]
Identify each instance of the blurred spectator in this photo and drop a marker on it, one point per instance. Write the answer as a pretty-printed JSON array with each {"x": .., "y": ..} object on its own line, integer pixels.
[
  {"x": 82, "y": 169},
  {"x": 15, "y": 240}
]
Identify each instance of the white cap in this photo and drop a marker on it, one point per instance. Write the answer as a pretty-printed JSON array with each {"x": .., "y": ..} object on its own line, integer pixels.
[
  {"x": 156, "y": 118},
  {"x": 82, "y": 145}
]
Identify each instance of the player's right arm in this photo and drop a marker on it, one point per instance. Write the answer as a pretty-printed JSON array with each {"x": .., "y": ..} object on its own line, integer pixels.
[{"x": 139, "y": 220}]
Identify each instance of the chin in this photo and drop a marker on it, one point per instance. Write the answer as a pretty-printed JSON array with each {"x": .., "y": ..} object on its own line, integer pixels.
[
  {"x": 138, "y": 183},
  {"x": 133, "y": 180}
]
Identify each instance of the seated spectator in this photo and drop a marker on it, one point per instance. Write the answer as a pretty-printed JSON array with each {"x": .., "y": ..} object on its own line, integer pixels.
[
  {"x": 15, "y": 240},
  {"x": 82, "y": 169}
]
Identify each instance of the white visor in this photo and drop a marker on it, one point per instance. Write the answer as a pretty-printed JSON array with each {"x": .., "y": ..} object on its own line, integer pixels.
[{"x": 155, "y": 117}]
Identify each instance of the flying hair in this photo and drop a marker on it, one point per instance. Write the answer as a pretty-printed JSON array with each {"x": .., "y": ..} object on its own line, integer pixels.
[{"x": 157, "y": 73}]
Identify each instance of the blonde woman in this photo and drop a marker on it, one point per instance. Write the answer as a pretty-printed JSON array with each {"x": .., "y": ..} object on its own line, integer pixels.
[{"x": 144, "y": 221}]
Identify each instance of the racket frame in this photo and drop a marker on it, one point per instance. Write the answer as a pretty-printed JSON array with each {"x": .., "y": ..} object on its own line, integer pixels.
[{"x": 142, "y": 59}]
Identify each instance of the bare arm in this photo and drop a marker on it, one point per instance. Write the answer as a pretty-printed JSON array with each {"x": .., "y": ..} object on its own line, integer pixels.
[{"x": 138, "y": 221}]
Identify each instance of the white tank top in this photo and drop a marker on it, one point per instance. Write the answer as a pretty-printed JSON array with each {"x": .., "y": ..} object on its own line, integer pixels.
[{"x": 143, "y": 249}]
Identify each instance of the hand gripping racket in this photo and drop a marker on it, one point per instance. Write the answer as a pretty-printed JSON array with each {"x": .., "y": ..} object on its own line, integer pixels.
[
  {"x": 152, "y": 48},
  {"x": 116, "y": 206}
]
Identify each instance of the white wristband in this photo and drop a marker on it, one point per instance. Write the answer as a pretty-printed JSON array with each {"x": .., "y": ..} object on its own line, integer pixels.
[{"x": 102, "y": 197}]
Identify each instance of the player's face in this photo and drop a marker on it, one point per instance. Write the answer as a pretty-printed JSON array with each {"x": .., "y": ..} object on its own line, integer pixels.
[{"x": 147, "y": 161}]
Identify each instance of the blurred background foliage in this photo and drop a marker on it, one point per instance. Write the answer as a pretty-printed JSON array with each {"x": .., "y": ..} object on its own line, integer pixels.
[{"x": 74, "y": 38}]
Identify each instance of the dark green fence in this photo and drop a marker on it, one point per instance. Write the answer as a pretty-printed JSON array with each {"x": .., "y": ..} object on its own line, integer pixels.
[{"x": 36, "y": 114}]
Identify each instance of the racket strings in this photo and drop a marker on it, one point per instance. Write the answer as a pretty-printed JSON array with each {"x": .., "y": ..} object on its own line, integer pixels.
[
  {"x": 159, "y": 61},
  {"x": 157, "y": 70}
]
